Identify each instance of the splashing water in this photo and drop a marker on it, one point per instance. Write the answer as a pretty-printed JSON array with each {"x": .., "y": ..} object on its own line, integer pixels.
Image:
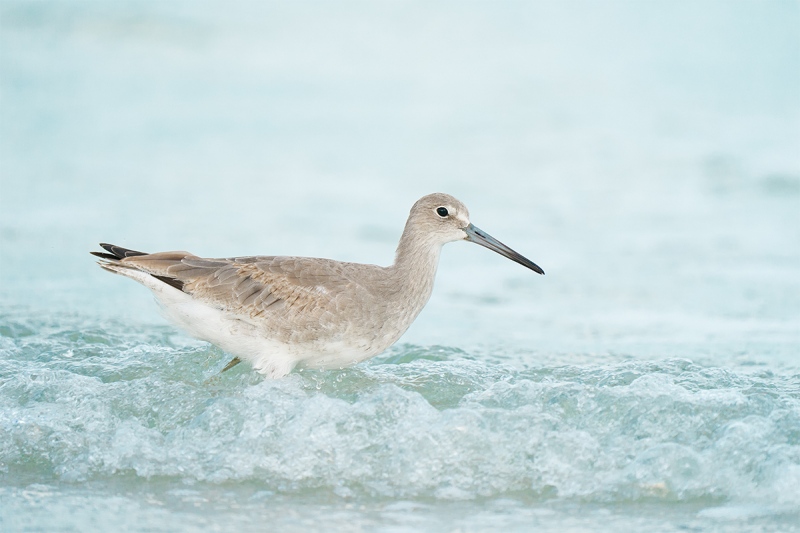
[{"x": 129, "y": 410}]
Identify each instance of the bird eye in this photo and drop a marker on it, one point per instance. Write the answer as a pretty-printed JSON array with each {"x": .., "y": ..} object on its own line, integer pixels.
[{"x": 441, "y": 211}]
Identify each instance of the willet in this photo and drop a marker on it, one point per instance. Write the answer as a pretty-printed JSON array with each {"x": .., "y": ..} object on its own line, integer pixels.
[{"x": 278, "y": 313}]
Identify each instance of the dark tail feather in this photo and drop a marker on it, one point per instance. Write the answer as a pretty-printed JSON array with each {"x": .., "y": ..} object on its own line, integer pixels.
[
  {"x": 178, "y": 284},
  {"x": 117, "y": 252},
  {"x": 105, "y": 256}
]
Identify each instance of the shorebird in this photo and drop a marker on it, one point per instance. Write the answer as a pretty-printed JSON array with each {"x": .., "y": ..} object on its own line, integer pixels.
[{"x": 278, "y": 313}]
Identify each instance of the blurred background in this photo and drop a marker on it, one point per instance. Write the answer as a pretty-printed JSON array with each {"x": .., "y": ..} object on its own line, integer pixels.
[{"x": 645, "y": 154}]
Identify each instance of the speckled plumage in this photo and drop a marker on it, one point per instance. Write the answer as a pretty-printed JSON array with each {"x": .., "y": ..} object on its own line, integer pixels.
[{"x": 281, "y": 312}]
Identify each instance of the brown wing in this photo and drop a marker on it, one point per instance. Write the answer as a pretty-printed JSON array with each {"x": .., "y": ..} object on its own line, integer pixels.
[{"x": 254, "y": 285}]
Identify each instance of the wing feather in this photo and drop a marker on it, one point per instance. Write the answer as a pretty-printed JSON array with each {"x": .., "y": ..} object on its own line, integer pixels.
[{"x": 252, "y": 285}]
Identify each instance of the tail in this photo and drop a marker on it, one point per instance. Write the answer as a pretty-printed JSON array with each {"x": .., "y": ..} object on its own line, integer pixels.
[
  {"x": 116, "y": 252},
  {"x": 112, "y": 263}
]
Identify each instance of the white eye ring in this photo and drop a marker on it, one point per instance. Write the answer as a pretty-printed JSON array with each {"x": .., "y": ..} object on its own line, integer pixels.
[{"x": 442, "y": 211}]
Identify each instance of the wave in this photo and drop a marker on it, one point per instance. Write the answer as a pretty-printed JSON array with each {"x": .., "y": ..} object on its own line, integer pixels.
[{"x": 417, "y": 422}]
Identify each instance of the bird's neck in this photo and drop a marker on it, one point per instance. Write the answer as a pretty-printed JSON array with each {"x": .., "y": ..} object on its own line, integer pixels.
[{"x": 414, "y": 268}]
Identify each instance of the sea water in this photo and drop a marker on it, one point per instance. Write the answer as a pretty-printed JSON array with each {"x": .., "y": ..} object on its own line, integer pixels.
[{"x": 644, "y": 154}]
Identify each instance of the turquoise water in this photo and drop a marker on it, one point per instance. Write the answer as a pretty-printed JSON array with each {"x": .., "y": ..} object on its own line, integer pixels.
[{"x": 645, "y": 155}]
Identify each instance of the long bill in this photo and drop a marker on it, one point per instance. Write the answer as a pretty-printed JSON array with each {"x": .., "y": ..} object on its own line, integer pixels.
[{"x": 478, "y": 236}]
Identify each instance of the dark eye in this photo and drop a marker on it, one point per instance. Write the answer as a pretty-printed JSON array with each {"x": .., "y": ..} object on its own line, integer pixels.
[{"x": 441, "y": 211}]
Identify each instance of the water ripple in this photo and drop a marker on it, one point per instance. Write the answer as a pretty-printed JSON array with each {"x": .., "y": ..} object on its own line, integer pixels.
[{"x": 87, "y": 405}]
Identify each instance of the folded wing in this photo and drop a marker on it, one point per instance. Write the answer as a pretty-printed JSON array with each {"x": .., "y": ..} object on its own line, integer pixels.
[{"x": 249, "y": 285}]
